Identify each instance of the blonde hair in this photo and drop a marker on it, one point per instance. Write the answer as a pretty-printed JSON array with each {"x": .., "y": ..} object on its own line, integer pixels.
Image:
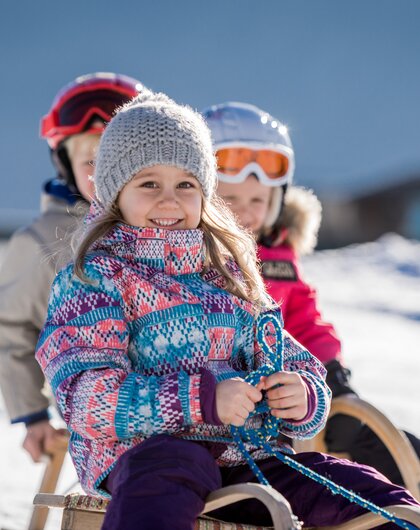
[{"x": 224, "y": 240}]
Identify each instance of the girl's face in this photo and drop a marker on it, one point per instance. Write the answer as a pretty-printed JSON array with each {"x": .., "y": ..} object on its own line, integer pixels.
[
  {"x": 162, "y": 197},
  {"x": 249, "y": 201}
]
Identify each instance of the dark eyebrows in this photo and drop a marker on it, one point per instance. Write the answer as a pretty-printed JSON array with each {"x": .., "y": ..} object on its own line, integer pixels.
[{"x": 146, "y": 174}]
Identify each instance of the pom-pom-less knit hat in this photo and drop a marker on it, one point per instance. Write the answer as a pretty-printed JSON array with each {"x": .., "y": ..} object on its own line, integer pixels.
[{"x": 150, "y": 130}]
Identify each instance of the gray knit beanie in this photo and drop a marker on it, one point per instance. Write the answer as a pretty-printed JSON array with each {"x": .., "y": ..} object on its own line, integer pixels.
[{"x": 149, "y": 130}]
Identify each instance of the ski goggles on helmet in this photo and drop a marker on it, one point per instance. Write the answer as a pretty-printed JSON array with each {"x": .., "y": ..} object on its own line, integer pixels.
[
  {"x": 77, "y": 110},
  {"x": 273, "y": 166}
]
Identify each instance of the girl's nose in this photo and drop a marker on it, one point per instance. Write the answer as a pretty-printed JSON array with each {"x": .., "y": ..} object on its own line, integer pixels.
[{"x": 168, "y": 199}]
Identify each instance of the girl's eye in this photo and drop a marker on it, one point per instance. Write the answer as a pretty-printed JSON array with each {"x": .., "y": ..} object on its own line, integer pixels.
[
  {"x": 186, "y": 185},
  {"x": 148, "y": 184}
]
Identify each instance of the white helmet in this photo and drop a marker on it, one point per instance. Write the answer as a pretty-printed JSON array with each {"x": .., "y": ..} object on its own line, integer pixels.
[{"x": 244, "y": 125}]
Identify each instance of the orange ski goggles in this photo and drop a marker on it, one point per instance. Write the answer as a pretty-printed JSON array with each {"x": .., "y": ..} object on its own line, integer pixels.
[{"x": 273, "y": 166}]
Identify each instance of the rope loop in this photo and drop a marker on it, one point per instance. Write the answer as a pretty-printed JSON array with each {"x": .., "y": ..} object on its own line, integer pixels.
[{"x": 274, "y": 356}]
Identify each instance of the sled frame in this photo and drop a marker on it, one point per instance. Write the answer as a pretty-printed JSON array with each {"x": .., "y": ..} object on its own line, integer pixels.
[{"x": 394, "y": 439}]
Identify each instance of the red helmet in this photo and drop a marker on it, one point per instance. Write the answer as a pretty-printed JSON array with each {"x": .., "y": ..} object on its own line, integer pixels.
[{"x": 79, "y": 105}]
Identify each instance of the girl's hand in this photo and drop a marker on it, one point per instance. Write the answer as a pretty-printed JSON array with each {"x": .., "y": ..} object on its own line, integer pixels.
[
  {"x": 288, "y": 401},
  {"x": 235, "y": 399}
]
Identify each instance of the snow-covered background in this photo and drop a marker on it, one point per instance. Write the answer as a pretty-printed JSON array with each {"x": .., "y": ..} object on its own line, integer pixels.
[{"x": 371, "y": 293}]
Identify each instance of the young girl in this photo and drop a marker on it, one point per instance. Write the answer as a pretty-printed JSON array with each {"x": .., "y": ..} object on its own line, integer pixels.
[
  {"x": 151, "y": 331},
  {"x": 256, "y": 167}
]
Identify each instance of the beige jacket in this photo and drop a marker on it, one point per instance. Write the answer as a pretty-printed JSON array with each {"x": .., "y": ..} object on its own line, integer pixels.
[{"x": 26, "y": 274}]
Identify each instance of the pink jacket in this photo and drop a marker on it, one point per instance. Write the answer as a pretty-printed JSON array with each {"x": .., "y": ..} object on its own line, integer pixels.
[
  {"x": 298, "y": 302},
  {"x": 281, "y": 270}
]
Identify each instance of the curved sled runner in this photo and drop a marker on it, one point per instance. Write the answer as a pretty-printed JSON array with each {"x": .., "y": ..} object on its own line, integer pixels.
[{"x": 394, "y": 440}]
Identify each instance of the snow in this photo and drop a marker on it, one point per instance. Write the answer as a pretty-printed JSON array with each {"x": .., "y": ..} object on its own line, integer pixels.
[{"x": 371, "y": 293}]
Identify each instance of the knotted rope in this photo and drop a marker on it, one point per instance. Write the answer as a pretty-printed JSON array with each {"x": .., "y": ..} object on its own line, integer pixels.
[{"x": 259, "y": 437}]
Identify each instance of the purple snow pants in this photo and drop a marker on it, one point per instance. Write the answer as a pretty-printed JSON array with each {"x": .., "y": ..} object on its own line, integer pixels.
[{"x": 162, "y": 484}]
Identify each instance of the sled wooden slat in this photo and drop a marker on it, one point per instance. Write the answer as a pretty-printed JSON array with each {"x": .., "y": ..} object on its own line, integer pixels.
[
  {"x": 395, "y": 440},
  {"x": 82, "y": 512},
  {"x": 371, "y": 520}
]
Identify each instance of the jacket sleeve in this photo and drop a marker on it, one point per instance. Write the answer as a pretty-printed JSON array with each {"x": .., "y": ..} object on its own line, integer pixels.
[
  {"x": 297, "y": 359},
  {"x": 25, "y": 279},
  {"x": 84, "y": 351},
  {"x": 302, "y": 317}
]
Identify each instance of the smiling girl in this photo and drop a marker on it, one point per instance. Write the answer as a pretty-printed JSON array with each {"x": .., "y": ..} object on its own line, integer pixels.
[{"x": 151, "y": 332}]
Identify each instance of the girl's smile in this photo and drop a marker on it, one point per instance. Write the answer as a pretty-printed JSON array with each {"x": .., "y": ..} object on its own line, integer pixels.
[{"x": 166, "y": 222}]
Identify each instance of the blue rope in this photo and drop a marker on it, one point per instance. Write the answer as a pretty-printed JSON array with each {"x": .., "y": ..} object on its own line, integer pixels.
[{"x": 259, "y": 437}]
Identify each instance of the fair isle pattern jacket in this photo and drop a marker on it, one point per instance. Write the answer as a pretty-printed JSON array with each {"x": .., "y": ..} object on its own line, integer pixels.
[{"x": 138, "y": 350}]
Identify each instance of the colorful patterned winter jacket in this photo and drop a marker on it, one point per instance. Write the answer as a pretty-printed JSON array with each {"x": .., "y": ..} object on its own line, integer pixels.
[{"x": 139, "y": 350}]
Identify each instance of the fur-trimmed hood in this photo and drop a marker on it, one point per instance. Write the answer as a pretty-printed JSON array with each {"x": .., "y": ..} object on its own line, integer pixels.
[{"x": 300, "y": 220}]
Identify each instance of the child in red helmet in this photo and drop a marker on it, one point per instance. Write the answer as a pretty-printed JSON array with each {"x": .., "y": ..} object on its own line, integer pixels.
[
  {"x": 256, "y": 166},
  {"x": 72, "y": 128}
]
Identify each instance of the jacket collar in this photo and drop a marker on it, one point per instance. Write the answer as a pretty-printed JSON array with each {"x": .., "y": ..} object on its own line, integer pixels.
[{"x": 171, "y": 251}]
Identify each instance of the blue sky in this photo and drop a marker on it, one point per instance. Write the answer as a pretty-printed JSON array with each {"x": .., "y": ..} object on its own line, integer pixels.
[{"x": 343, "y": 75}]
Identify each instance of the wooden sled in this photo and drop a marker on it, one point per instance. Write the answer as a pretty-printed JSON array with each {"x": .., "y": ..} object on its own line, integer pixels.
[
  {"x": 81, "y": 512},
  {"x": 394, "y": 439}
]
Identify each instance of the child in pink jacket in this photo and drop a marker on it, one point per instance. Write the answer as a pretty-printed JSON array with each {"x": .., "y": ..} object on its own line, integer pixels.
[{"x": 256, "y": 167}]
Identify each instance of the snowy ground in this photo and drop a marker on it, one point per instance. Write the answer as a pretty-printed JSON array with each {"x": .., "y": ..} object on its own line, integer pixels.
[{"x": 370, "y": 292}]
